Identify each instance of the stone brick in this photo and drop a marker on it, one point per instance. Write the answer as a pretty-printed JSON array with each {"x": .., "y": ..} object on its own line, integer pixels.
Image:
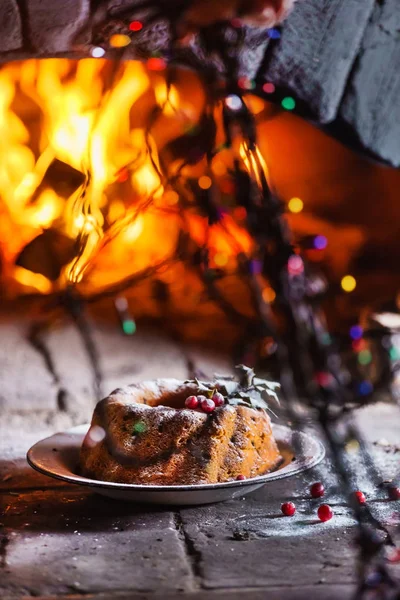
[
  {"x": 10, "y": 26},
  {"x": 122, "y": 360},
  {"x": 25, "y": 382},
  {"x": 145, "y": 355},
  {"x": 60, "y": 542},
  {"x": 54, "y": 25},
  {"x": 287, "y": 592},
  {"x": 305, "y": 561},
  {"x": 371, "y": 105},
  {"x": 72, "y": 369},
  {"x": 319, "y": 44},
  {"x": 17, "y": 434},
  {"x": 257, "y": 546}
]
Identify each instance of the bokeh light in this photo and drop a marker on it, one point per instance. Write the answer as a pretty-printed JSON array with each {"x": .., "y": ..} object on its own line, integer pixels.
[
  {"x": 288, "y": 103},
  {"x": 348, "y": 283},
  {"x": 156, "y": 64},
  {"x": 171, "y": 197},
  {"x": 268, "y": 295},
  {"x": 295, "y": 205},
  {"x": 119, "y": 40},
  {"x": 135, "y": 26},
  {"x": 365, "y": 388},
  {"x": 356, "y": 332},
  {"x": 364, "y": 357},
  {"x": 320, "y": 242},
  {"x": 205, "y": 182},
  {"x": 268, "y": 88},
  {"x": 295, "y": 265},
  {"x": 234, "y": 102},
  {"x": 98, "y": 52}
]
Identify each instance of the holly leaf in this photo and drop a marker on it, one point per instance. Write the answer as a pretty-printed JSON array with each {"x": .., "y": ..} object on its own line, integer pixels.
[
  {"x": 250, "y": 391},
  {"x": 250, "y": 402},
  {"x": 237, "y": 401},
  {"x": 268, "y": 395},
  {"x": 246, "y": 375},
  {"x": 272, "y": 385},
  {"x": 203, "y": 386},
  {"x": 226, "y": 387},
  {"x": 267, "y": 389}
]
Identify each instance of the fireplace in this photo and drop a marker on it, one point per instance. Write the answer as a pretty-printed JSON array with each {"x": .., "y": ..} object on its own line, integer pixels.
[
  {"x": 91, "y": 197},
  {"x": 79, "y": 165}
]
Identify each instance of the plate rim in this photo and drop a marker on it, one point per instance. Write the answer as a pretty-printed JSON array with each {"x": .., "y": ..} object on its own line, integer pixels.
[{"x": 302, "y": 466}]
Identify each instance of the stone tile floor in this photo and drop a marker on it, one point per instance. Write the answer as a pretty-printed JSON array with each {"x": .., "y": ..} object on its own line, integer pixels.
[{"x": 59, "y": 541}]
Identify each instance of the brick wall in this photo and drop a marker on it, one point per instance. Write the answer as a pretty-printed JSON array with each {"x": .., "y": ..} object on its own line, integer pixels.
[
  {"x": 48, "y": 28},
  {"x": 340, "y": 59}
]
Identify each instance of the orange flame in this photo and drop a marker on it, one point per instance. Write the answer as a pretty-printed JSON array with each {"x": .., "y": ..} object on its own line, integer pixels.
[{"x": 88, "y": 119}]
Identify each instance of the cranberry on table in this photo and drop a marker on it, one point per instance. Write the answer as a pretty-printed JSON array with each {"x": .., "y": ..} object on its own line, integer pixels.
[
  {"x": 288, "y": 509},
  {"x": 240, "y": 478},
  {"x": 325, "y": 513},
  {"x": 192, "y": 402},
  {"x": 360, "y": 497},
  {"x": 317, "y": 490},
  {"x": 207, "y": 405},
  {"x": 394, "y": 493},
  {"x": 218, "y": 399}
]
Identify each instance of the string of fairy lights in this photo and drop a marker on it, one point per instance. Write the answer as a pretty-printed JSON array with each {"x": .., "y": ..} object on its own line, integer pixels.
[
  {"x": 305, "y": 353},
  {"x": 120, "y": 41}
]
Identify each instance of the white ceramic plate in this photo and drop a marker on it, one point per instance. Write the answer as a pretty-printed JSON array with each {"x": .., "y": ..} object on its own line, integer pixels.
[{"x": 58, "y": 456}]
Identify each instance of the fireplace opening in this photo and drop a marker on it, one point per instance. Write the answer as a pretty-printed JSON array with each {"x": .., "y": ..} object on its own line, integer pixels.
[{"x": 103, "y": 164}]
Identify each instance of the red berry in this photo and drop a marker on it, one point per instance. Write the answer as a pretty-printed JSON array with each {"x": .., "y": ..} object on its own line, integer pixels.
[
  {"x": 207, "y": 406},
  {"x": 317, "y": 490},
  {"x": 360, "y": 497},
  {"x": 240, "y": 478},
  {"x": 325, "y": 513},
  {"x": 394, "y": 493},
  {"x": 192, "y": 402},
  {"x": 218, "y": 399},
  {"x": 288, "y": 509}
]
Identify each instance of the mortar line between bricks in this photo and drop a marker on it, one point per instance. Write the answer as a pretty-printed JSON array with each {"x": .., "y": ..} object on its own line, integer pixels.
[
  {"x": 193, "y": 556},
  {"x": 24, "y": 18},
  {"x": 45, "y": 353},
  {"x": 4, "y": 541},
  {"x": 214, "y": 593},
  {"x": 39, "y": 488},
  {"x": 39, "y": 345}
]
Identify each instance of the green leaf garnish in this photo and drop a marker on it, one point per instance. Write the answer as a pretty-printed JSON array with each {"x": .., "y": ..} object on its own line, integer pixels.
[{"x": 246, "y": 390}]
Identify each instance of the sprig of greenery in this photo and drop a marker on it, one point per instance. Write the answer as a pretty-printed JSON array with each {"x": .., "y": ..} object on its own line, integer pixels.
[{"x": 244, "y": 390}]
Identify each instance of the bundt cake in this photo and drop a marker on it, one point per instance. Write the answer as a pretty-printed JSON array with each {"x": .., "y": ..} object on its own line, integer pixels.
[{"x": 145, "y": 434}]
